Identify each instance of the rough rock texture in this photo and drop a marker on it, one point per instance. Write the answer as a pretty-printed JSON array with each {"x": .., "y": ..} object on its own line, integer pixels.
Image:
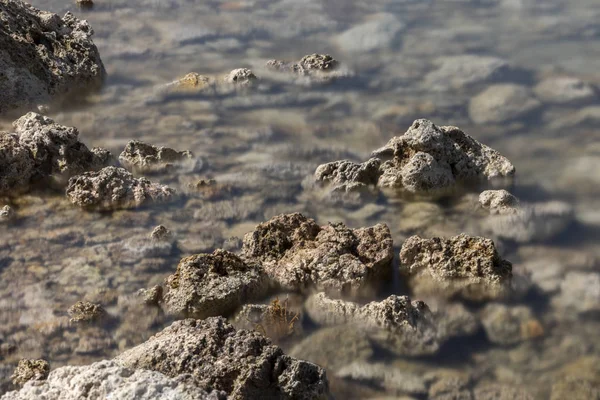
[
  {"x": 6, "y": 214},
  {"x": 108, "y": 380},
  {"x": 299, "y": 254},
  {"x": 161, "y": 233},
  {"x": 16, "y": 164},
  {"x": 509, "y": 325},
  {"x": 564, "y": 90},
  {"x": 141, "y": 157},
  {"x": 27, "y": 370},
  {"x": 214, "y": 284},
  {"x": 312, "y": 68},
  {"x": 84, "y": 311},
  {"x": 44, "y": 57},
  {"x": 214, "y": 356},
  {"x": 275, "y": 320},
  {"x": 502, "y": 103},
  {"x": 425, "y": 158},
  {"x": 113, "y": 188},
  {"x": 498, "y": 201},
  {"x": 464, "y": 266},
  {"x": 240, "y": 76}
]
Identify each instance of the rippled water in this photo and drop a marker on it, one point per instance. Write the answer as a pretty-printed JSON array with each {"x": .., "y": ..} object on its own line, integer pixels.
[{"x": 265, "y": 142}]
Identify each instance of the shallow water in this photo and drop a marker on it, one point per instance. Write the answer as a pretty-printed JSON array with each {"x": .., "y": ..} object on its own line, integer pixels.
[{"x": 265, "y": 142}]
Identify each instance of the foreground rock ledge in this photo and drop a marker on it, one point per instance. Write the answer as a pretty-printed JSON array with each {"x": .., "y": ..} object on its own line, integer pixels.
[
  {"x": 44, "y": 57},
  {"x": 299, "y": 254},
  {"x": 461, "y": 266},
  {"x": 212, "y": 355}
]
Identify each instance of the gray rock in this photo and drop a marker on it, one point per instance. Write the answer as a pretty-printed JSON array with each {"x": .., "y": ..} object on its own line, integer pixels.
[
  {"x": 27, "y": 370},
  {"x": 347, "y": 176},
  {"x": 380, "y": 32},
  {"x": 161, "y": 233},
  {"x": 502, "y": 103},
  {"x": 298, "y": 254},
  {"x": 464, "y": 266},
  {"x": 44, "y": 57},
  {"x": 241, "y": 77},
  {"x": 6, "y": 214},
  {"x": 214, "y": 284},
  {"x": 141, "y": 157},
  {"x": 421, "y": 173},
  {"x": 510, "y": 325},
  {"x": 498, "y": 201},
  {"x": 108, "y": 380},
  {"x": 564, "y": 90},
  {"x": 456, "y": 72},
  {"x": 113, "y": 188},
  {"x": 213, "y": 355}
]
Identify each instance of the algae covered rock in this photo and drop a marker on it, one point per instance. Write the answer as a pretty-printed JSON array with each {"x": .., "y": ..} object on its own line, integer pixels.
[
  {"x": 298, "y": 254},
  {"x": 462, "y": 266},
  {"x": 27, "y": 370},
  {"x": 142, "y": 157},
  {"x": 113, "y": 188},
  {"x": 43, "y": 57},
  {"x": 214, "y": 284},
  {"x": 212, "y": 355}
]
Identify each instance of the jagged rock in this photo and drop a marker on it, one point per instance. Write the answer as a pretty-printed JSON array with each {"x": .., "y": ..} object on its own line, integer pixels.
[
  {"x": 425, "y": 158},
  {"x": 28, "y": 370},
  {"x": 84, "y": 311},
  {"x": 298, "y": 254},
  {"x": 6, "y": 214},
  {"x": 392, "y": 379},
  {"x": 214, "y": 356},
  {"x": 463, "y": 266},
  {"x": 564, "y": 90},
  {"x": 214, "y": 284},
  {"x": 161, "y": 233},
  {"x": 502, "y": 103},
  {"x": 275, "y": 320},
  {"x": 113, "y": 188},
  {"x": 499, "y": 201},
  {"x": 240, "y": 76},
  {"x": 141, "y": 157},
  {"x": 44, "y": 57},
  {"x": 108, "y": 380},
  {"x": 510, "y": 325},
  {"x": 456, "y": 72}
]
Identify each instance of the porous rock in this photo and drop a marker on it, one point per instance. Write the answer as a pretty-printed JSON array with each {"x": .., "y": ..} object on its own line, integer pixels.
[
  {"x": 84, "y": 311},
  {"x": 347, "y": 176},
  {"x": 108, "y": 380},
  {"x": 27, "y": 370},
  {"x": 44, "y": 57},
  {"x": 313, "y": 67},
  {"x": 142, "y": 157},
  {"x": 214, "y": 284},
  {"x": 502, "y": 103},
  {"x": 244, "y": 364},
  {"x": 498, "y": 201},
  {"x": 113, "y": 188},
  {"x": 240, "y": 76},
  {"x": 16, "y": 164},
  {"x": 298, "y": 254},
  {"x": 461, "y": 266}
]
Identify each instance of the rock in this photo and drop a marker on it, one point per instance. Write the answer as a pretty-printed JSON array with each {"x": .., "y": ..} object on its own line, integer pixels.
[
  {"x": 347, "y": 176},
  {"x": 214, "y": 284},
  {"x": 28, "y": 370},
  {"x": 502, "y": 103},
  {"x": 241, "y": 77},
  {"x": 564, "y": 90},
  {"x": 510, "y": 325},
  {"x": 114, "y": 188},
  {"x": 498, "y": 201},
  {"x": 298, "y": 254},
  {"x": 152, "y": 296},
  {"x": 6, "y": 214},
  {"x": 274, "y": 320},
  {"x": 44, "y": 57},
  {"x": 579, "y": 292},
  {"x": 318, "y": 62},
  {"x": 16, "y": 164},
  {"x": 108, "y": 380},
  {"x": 500, "y": 392},
  {"x": 461, "y": 266},
  {"x": 141, "y": 157},
  {"x": 391, "y": 378},
  {"x": 456, "y": 72},
  {"x": 573, "y": 388},
  {"x": 160, "y": 233},
  {"x": 311, "y": 68},
  {"x": 213, "y": 355},
  {"x": 422, "y": 173},
  {"x": 450, "y": 386},
  {"x": 379, "y": 33},
  {"x": 84, "y": 311}
]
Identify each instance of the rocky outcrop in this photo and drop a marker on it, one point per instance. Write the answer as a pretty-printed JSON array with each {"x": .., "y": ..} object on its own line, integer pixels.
[
  {"x": 142, "y": 157},
  {"x": 426, "y": 158},
  {"x": 299, "y": 254},
  {"x": 214, "y": 284},
  {"x": 108, "y": 380},
  {"x": 113, "y": 188},
  {"x": 212, "y": 355},
  {"x": 43, "y": 57},
  {"x": 461, "y": 266}
]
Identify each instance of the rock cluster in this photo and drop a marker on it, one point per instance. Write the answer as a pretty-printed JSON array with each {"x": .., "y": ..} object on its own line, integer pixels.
[
  {"x": 315, "y": 67},
  {"x": 425, "y": 158},
  {"x": 43, "y": 57},
  {"x": 298, "y": 254},
  {"x": 142, "y": 157}
]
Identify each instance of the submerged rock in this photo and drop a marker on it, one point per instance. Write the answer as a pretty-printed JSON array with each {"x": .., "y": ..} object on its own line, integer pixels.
[
  {"x": 214, "y": 284},
  {"x": 44, "y": 57},
  {"x": 212, "y": 355},
  {"x": 390, "y": 378},
  {"x": 510, "y": 325},
  {"x": 113, "y": 188},
  {"x": 141, "y": 157},
  {"x": 565, "y": 90},
  {"x": 461, "y": 266},
  {"x": 30, "y": 370},
  {"x": 425, "y": 158},
  {"x": 502, "y": 103},
  {"x": 314, "y": 67},
  {"x": 579, "y": 293},
  {"x": 456, "y": 72},
  {"x": 109, "y": 380},
  {"x": 298, "y": 254},
  {"x": 376, "y": 34}
]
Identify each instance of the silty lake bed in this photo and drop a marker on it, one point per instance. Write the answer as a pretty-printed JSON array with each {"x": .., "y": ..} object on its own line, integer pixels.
[{"x": 519, "y": 76}]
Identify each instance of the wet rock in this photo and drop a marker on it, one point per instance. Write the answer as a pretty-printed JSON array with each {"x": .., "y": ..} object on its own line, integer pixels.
[
  {"x": 86, "y": 312},
  {"x": 461, "y": 266},
  {"x": 207, "y": 285},
  {"x": 44, "y": 57},
  {"x": 457, "y": 72},
  {"x": 347, "y": 176},
  {"x": 379, "y": 33},
  {"x": 502, "y": 103},
  {"x": 498, "y": 201},
  {"x": 275, "y": 320},
  {"x": 108, "y": 380},
  {"x": 574, "y": 388},
  {"x": 160, "y": 233},
  {"x": 564, "y": 90},
  {"x": 141, "y": 157},
  {"x": 388, "y": 377},
  {"x": 298, "y": 254},
  {"x": 113, "y": 188},
  {"x": 241, "y": 77},
  {"x": 213, "y": 355},
  {"x": 501, "y": 392},
  {"x": 579, "y": 292},
  {"x": 30, "y": 370},
  {"x": 6, "y": 214},
  {"x": 510, "y": 325},
  {"x": 311, "y": 68},
  {"x": 16, "y": 164}
]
